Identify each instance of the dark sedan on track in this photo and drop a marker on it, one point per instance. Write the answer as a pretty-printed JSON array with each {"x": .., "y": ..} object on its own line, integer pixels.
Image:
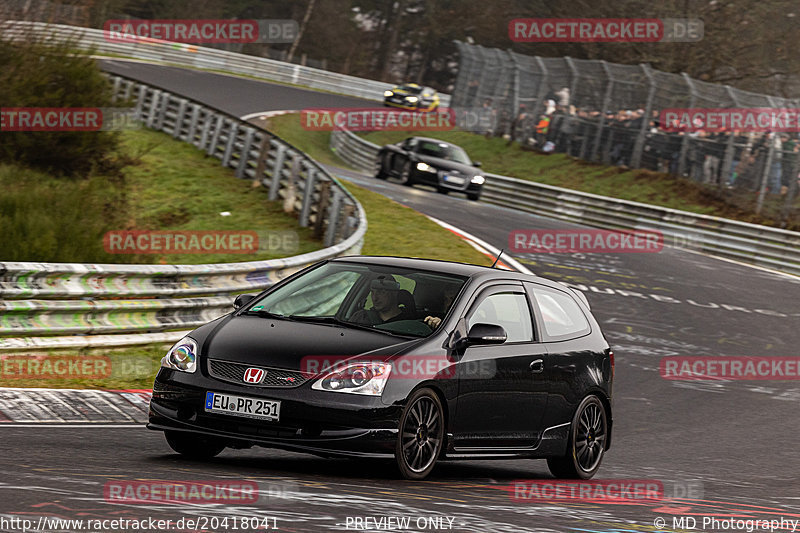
[
  {"x": 407, "y": 359},
  {"x": 431, "y": 162}
]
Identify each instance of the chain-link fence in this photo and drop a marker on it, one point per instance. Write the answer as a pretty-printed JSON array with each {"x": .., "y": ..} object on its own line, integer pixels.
[{"x": 610, "y": 113}]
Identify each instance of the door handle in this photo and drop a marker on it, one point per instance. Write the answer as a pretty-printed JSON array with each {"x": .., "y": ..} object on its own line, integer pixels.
[{"x": 537, "y": 366}]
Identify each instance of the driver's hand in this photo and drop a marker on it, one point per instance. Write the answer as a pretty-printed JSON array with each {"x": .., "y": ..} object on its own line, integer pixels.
[{"x": 432, "y": 321}]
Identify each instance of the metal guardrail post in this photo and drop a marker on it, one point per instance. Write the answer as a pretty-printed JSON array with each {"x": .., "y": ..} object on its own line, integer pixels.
[
  {"x": 212, "y": 145},
  {"x": 193, "y": 119},
  {"x": 179, "y": 118},
  {"x": 244, "y": 155},
  {"x": 233, "y": 135},
  {"x": 515, "y": 82},
  {"x": 308, "y": 196},
  {"x": 638, "y": 147},
  {"x": 277, "y": 172},
  {"x": 261, "y": 163},
  {"x": 333, "y": 218},
  {"x": 324, "y": 200},
  {"x": 155, "y": 96}
]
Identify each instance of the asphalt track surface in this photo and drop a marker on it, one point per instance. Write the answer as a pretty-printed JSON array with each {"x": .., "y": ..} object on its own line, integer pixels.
[{"x": 733, "y": 443}]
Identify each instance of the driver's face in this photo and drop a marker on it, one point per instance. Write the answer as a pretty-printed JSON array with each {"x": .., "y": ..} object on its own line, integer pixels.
[{"x": 383, "y": 299}]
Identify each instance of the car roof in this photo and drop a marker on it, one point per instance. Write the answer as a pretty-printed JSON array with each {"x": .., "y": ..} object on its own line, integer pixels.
[
  {"x": 447, "y": 267},
  {"x": 437, "y": 141}
]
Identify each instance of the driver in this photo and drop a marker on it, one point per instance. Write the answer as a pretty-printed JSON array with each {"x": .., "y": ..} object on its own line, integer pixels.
[{"x": 385, "y": 306}]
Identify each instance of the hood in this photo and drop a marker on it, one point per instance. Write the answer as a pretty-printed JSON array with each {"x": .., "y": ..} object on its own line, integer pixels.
[
  {"x": 446, "y": 164},
  {"x": 283, "y": 344}
]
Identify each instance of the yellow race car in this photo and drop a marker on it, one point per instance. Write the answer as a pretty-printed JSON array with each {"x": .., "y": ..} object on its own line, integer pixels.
[{"x": 412, "y": 97}]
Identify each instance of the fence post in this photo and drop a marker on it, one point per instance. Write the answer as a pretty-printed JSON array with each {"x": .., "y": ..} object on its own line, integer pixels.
[
  {"x": 686, "y": 138},
  {"x": 193, "y": 124},
  {"x": 762, "y": 189},
  {"x": 514, "y": 83},
  {"x": 541, "y": 92},
  {"x": 638, "y": 147},
  {"x": 151, "y": 116},
  {"x": 727, "y": 159},
  {"x": 573, "y": 74},
  {"x": 233, "y": 133},
  {"x": 606, "y": 103},
  {"x": 291, "y": 186}
]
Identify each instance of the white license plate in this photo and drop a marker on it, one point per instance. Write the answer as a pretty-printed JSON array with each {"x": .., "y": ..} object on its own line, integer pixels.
[
  {"x": 458, "y": 180},
  {"x": 229, "y": 404}
]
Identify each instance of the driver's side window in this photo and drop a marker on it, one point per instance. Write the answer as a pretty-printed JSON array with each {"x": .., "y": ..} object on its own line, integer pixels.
[{"x": 507, "y": 309}]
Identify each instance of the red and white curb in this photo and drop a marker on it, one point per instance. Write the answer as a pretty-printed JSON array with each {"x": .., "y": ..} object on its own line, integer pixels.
[
  {"x": 72, "y": 406},
  {"x": 506, "y": 261}
]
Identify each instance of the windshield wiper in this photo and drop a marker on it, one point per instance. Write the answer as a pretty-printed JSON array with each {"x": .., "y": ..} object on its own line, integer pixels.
[
  {"x": 266, "y": 314},
  {"x": 340, "y": 322}
]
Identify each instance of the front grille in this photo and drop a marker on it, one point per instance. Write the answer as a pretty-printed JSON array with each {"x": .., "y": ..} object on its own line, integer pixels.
[{"x": 234, "y": 373}]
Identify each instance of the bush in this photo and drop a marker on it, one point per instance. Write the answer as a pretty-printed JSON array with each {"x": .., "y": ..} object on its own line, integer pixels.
[{"x": 40, "y": 72}]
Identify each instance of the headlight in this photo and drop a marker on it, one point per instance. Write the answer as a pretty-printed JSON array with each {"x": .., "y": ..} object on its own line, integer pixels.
[
  {"x": 387, "y": 93},
  {"x": 425, "y": 167},
  {"x": 182, "y": 356},
  {"x": 357, "y": 378},
  {"x": 478, "y": 180},
  {"x": 412, "y": 98}
]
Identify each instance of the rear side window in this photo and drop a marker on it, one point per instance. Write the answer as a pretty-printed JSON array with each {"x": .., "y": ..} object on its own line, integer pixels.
[{"x": 561, "y": 315}]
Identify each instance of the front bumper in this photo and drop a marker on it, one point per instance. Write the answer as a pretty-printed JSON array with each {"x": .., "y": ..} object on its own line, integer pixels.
[{"x": 318, "y": 422}]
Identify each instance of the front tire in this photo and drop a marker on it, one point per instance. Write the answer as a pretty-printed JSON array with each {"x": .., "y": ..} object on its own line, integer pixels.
[
  {"x": 405, "y": 174},
  {"x": 194, "y": 446},
  {"x": 474, "y": 196},
  {"x": 379, "y": 173},
  {"x": 587, "y": 442},
  {"x": 420, "y": 435}
]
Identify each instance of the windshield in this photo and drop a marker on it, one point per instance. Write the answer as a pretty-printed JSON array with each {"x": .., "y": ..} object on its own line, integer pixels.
[
  {"x": 393, "y": 300},
  {"x": 444, "y": 151},
  {"x": 410, "y": 88}
]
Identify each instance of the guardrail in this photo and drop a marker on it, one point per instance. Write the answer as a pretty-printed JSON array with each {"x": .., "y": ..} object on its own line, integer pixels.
[
  {"x": 750, "y": 243},
  {"x": 186, "y": 55},
  {"x": 67, "y": 299}
]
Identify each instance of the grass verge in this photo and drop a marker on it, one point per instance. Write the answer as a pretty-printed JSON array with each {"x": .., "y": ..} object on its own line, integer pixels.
[{"x": 167, "y": 185}]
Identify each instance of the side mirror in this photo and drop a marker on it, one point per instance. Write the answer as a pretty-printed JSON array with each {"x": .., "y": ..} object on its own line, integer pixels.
[
  {"x": 476, "y": 164},
  {"x": 242, "y": 300},
  {"x": 482, "y": 334}
]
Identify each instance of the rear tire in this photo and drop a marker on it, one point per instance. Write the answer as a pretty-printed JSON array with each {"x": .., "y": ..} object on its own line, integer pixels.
[
  {"x": 474, "y": 196},
  {"x": 193, "y": 445},
  {"x": 420, "y": 435},
  {"x": 587, "y": 441}
]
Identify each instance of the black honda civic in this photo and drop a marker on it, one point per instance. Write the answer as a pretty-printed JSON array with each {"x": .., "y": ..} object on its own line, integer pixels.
[{"x": 413, "y": 360}]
